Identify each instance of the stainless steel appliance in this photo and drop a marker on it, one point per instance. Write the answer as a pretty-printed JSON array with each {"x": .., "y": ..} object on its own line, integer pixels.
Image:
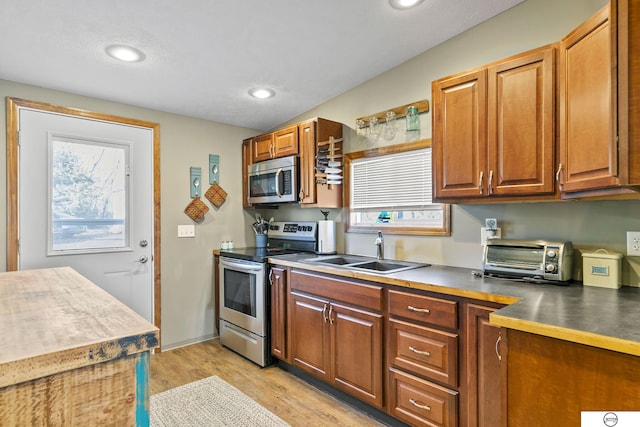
[
  {"x": 244, "y": 297},
  {"x": 530, "y": 260},
  {"x": 273, "y": 181}
]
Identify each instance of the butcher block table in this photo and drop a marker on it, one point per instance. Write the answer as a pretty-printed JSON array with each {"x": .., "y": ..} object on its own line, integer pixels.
[{"x": 70, "y": 353}]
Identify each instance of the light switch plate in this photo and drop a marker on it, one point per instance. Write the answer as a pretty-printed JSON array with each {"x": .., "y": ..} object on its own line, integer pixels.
[
  {"x": 633, "y": 243},
  {"x": 186, "y": 231}
]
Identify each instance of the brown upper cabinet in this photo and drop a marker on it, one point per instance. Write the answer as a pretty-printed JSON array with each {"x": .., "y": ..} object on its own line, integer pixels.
[
  {"x": 493, "y": 130},
  {"x": 599, "y": 138},
  {"x": 588, "y": 148},
  {"x": 247, "y": 146},
  {"x": 300, "y": 139},
  {"x": 310, "y": 134},
  {"x": 281, "y": 143},
  {"x": 494, "y": 127}
]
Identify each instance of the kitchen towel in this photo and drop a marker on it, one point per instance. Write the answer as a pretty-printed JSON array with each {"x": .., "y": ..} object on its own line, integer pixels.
[
  {"x": 216, "y": 195},
  {"x": 196, "y": 209}
]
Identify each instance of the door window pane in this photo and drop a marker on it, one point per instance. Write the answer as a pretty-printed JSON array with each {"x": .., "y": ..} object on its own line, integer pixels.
[{"x": 88, "y": 202}]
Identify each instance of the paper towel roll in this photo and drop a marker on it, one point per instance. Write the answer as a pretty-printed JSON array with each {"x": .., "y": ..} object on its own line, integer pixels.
[{"x": 326, "y": 237}]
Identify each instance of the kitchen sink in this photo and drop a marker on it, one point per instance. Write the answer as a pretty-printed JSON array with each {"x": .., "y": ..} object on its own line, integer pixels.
[
  {"x": 373, "y": 265},
  {"x": 338, "y": 259},
  {"x": 385, "y": 267}
]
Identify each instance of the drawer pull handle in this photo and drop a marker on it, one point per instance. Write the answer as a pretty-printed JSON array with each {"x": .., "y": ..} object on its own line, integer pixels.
[
  {"x": 418, "y": 310},
  {"x": 421, "y": 352},
  {"x": 418, "y": 405},
  {"x": 324, "y": 313}
]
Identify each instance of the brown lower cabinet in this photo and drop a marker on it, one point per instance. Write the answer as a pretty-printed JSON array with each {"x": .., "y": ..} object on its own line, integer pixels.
[
  {"x": 552, "y": 381},
  {"x": 420, "y": 402},
  {"x": 336, "y": 333},
  {"x": 424, "y": 358},
  {"x": 485, "y": 369}
]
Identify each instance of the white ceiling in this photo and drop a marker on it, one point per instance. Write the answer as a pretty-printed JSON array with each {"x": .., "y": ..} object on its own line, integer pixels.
[{"x": 204, "y": 55}]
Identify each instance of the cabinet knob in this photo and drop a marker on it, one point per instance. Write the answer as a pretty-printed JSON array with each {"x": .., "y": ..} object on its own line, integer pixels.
[
  {"x": 419, "y": 405},
  {"x": 490, "y": 182},
  {"x": 420, "y": 352},
  {"x": 558, "y": 176},
  {"x": 418, "y": 310}
]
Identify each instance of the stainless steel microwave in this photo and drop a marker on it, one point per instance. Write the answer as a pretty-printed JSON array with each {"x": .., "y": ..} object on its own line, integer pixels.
[{"x": 273, "y": 181}]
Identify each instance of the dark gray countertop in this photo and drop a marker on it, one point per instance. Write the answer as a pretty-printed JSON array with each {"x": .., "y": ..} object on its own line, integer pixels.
[{"x": 600, "y": 317}]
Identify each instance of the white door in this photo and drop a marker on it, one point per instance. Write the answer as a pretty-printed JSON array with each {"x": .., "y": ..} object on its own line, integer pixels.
[{"x": 85, "y": 200}]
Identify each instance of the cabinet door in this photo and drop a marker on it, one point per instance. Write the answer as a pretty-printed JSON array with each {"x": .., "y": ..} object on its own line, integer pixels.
[
  {"x": 485, "y": 401},
  {"x": 419, "y": 402},
  {"x": 460, "y": 136},
  {"x": 246, "y": 160},
  {"x": 521, "y": 116},
  {"x": 285, "y": 142},
  {"x": 309, "y": 327},
  {"x": 278, "y": 283},
  {"x": 262, "y": 148},
  {"x": 307, "y": 145},
  {"x": 588, "y": 148},
  {"x": 356, "y": 338}
]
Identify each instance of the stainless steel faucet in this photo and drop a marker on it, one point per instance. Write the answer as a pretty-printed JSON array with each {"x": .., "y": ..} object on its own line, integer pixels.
[{"x": 380, "y": 245}]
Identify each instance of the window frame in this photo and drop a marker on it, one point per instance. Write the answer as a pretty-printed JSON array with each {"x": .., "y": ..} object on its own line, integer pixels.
[{"x": 445, "y": 230}]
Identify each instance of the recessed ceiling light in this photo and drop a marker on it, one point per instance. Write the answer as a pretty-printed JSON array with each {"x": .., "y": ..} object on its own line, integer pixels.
[
  {"x": 262, "y": 93},
  {"x": 125, "y": 53},
  {"x": 404, "y": 4}
]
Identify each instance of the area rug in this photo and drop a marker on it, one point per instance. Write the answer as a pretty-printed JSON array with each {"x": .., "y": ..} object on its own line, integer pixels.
[{"x": 209, "y": 402}]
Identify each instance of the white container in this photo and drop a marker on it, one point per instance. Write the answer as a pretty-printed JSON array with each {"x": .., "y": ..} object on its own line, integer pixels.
[
  {"x": 602, "y": 269},
  {"x": 326, "y": 237}
]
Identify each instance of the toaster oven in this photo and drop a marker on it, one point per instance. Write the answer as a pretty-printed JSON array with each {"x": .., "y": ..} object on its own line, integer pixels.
[{"x": 534, "y": 260}]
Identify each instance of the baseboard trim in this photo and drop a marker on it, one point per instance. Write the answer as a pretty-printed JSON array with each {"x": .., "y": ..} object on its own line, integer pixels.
[{"x": 189, "y": 342}]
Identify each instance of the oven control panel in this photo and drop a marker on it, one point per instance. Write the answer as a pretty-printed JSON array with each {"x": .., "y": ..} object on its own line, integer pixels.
[{"x": 304, "y": 230}]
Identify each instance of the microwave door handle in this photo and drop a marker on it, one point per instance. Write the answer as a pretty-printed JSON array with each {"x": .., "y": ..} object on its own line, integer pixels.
[{"x": 278, "y": 182}]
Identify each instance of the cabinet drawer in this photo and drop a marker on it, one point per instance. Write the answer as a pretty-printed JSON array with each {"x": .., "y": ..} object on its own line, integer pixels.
[
  {"x": 421, "y": 403},
  {"x": 424, "y": 351},
  {"x": 425, "y": 309},
  {"x": 338, "y": 289}
]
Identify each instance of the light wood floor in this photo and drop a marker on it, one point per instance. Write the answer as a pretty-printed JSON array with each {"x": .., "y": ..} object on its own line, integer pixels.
[{"x": 285, "y": 395}]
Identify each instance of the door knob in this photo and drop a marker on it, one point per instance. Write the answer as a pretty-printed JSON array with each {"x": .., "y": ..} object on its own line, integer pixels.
[{"x": 143, "y": 259}]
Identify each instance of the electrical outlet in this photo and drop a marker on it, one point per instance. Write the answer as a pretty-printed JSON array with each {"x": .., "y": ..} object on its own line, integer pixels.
[
  {"x": 633, "y": 243},
  {"x": 486, "y": 233},
  {"x": 186, "y": 231}
]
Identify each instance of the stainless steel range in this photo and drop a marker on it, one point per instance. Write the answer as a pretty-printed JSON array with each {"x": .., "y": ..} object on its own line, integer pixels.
[{"x": 244, "y": 296}]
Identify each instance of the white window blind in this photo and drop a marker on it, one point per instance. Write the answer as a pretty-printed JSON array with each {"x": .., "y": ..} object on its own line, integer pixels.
[{"x": 391, "y": 181}]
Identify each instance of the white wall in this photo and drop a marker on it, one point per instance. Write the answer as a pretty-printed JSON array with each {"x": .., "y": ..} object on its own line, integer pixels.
[
  {"x": 186, "y": 264},
  {"x": 533, "y": 23},
  {"x": 187, "y": 300}
]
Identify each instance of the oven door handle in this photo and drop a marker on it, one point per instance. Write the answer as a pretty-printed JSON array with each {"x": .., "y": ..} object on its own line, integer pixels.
[{"x": 242, "y": 266}]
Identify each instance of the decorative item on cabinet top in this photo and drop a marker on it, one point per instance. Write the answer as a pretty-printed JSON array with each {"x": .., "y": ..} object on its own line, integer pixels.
[
  {"x": 398, "y": 113},
  {"x": 329, "y": 162}
]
